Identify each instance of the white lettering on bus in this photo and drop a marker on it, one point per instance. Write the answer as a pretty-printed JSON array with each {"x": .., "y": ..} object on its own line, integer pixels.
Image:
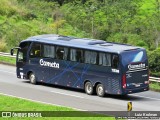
[
  {"x": 139, "y": 66},
  {"x": 49, "y": 64}
]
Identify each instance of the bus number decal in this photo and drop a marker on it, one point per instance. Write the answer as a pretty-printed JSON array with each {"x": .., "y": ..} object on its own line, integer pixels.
[{"x": 115, "y": 70}]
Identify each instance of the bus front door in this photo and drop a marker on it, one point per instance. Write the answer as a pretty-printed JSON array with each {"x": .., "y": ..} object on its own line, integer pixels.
[{"x": 21, "y": 60}]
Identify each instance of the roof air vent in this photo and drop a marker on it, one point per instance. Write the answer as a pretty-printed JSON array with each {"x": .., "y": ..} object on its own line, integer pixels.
[
  {"x": 94, "y": 42},
  {"x": 106, "y": 44},
  {"x": 65, "y": 38}
]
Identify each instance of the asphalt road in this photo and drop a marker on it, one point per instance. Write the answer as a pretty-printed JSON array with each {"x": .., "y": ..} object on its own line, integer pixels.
[{"x": 10, "y": 85}]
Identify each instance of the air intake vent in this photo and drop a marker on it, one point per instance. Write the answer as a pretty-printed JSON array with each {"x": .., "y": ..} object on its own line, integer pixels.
[{"x": 94, "y": 42}]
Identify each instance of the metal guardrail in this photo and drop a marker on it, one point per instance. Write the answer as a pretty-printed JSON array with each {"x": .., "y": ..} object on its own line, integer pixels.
[
  {"x": 151, "y": 79},
  {"x": 7, "y": 54},
  {"x": 154, "y": 79}
]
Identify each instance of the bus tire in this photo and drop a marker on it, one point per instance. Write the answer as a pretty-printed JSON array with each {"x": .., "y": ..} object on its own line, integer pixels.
[
  {"x": 89, "y": 88},
  {"x": 100, "y": 90},
  {"x": 32, "y": 78}
]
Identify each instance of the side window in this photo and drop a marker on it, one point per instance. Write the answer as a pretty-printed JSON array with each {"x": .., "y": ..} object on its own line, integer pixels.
[
  {"x": 76, "y": 55},
  {"x": 61, "y": 53},
  {"x": 48, "y": 51},
  {"x": 91, "y": 57},
  {"x": 79, "y": 56},
  {"x": 115, "y": 61},
  {"x": 105, "y": 59},
  {"x": 35, "y": 50},
  {"x": 65, "y": 56},
  {"x": 22, "y": 53}
]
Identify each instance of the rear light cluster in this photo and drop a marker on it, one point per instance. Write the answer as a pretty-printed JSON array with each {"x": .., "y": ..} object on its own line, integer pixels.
[
  {"x": 124, "y": 81},
  {"x": 146, "y": 82}
]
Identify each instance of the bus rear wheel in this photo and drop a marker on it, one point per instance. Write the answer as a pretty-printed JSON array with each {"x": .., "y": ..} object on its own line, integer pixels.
[
  {"x": 32, "y": 78},
  {"x": 88, "y": 88},
  {"x": 100, "y": 90}
]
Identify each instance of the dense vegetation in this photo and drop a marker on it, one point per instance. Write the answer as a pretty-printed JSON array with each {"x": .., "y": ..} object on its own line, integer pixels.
[{"x": 135, "y": 22}]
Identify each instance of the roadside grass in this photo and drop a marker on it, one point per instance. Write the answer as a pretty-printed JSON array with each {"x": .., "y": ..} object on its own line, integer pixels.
[
  {"x": 7, "y": 60},
  {"x": 155, "y": 86},
  {"x": 8, "y": 103}
]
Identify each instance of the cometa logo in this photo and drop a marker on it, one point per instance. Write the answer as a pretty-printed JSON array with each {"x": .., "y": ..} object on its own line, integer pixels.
[
  {"x": 49, "y": 64},
  {"x": 139, "y": 66}
]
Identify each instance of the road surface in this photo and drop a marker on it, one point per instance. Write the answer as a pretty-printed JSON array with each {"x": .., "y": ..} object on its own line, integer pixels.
[{"x": 10, "y": 85}]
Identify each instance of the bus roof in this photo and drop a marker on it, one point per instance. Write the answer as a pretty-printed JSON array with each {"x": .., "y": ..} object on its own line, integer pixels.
[{"x": 85, "y": 43}]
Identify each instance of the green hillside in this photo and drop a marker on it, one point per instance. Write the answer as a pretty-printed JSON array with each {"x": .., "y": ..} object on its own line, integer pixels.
[{"x": 135, "y": 22}]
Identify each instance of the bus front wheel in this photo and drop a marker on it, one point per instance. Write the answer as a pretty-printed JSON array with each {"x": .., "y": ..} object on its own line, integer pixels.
[
  {"x": 100, "y": 90},
  {"x": 32, "y": 78},
  {"x": 89, "y": 88}
]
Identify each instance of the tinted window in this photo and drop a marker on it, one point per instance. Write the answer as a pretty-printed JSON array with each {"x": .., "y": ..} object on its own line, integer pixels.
[
  {"x": 115, "y": 61},
  {"x": 105, "y": 59},
  {"x": 35, "y": 50},
  {"x": 61, "y": 53},
  {"x": 91, "y": 57},
  {"x": 133, "y": 56},
  {"x": 76, "y": 55},
  {"x": 49, "y": 51}
]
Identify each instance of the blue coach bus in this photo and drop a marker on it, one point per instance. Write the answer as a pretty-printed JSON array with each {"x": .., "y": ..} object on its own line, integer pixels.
[{"x": 96, "y": 66}]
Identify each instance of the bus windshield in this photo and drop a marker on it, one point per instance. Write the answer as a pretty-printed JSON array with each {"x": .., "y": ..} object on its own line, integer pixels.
[
  {"x": 20, "y": 57},
  {"x": 129, "y": 57},
  {"x": 22, "y": 53}
]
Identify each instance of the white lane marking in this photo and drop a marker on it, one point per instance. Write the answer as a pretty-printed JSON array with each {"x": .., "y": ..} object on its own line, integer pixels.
[
  {"x": 41, "y": 101},
  {"x": 7, "y": 72},
  {"x": 146, "y": 97},
  {"x": 67, "y": 94}
]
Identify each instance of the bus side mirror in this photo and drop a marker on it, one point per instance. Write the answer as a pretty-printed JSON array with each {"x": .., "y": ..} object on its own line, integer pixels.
[{"x": 12, "y": 51}]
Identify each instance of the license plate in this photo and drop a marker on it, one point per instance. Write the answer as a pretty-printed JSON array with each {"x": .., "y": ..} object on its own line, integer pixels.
[{"x": 138, "y": 85}]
